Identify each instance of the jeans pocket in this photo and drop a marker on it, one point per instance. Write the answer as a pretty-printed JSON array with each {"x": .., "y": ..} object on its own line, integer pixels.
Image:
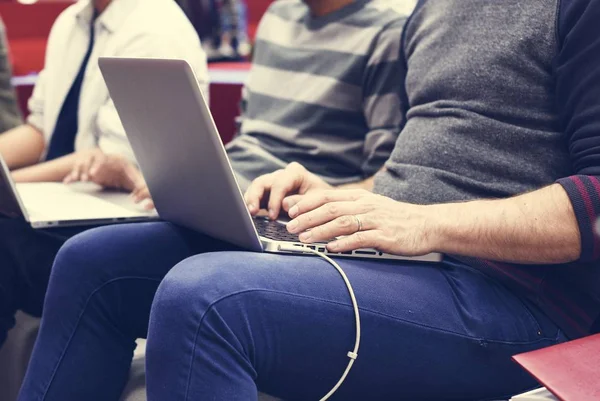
[{"x": 545, "y": 328}]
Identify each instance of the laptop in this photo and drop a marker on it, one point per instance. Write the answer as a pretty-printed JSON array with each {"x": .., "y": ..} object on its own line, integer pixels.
[
  {"x": 183, "y": 160},
  {"x": 52, "y": 204}
]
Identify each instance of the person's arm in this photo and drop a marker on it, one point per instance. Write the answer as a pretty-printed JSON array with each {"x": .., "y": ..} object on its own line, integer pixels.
[
  {"x": 25, "y": 145},
  {"x": 367, "y": 184},
  {"x": 22, "y": 146},
  {"x": 539, "y": 227},
  {"x": 52, "y": 171},
  {"x": 383, "y": 103}
]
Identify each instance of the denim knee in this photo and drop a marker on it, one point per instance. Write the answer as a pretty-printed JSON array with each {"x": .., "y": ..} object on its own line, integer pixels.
[
  {"x": 196, "y": 282},
  {"x": 79, "y": 258},
  {"x": 103, "y": 254}
]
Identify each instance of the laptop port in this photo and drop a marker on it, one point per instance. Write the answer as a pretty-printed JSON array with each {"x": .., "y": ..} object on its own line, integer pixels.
[{"x": 373, "y": 253}]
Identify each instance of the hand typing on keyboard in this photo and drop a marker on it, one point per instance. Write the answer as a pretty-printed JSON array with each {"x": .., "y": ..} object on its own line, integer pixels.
[{"x": 269, "y": 191}]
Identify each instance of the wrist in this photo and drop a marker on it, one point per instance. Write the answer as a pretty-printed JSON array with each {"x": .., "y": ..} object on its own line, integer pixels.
[{"x": 440, "y": 226}]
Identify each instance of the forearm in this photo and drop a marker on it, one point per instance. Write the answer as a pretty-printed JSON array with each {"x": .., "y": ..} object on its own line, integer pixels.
[
  {"x": 367, "y": 185},
  {"x": 538, "y": 227},
  {"x": 22, "y": 146},
  {"x": 52, "y": 171}
]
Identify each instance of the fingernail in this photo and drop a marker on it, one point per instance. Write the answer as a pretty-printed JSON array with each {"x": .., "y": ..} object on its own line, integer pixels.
[
  {"x": 333, "y": 246},
  {"x": 294, "y": 211},
  {"x": 84, "y": 177},
  {"x": 272, "y": 214},
  {"x": 292, "y": 225},
  {"x": 305, "y": 237}
]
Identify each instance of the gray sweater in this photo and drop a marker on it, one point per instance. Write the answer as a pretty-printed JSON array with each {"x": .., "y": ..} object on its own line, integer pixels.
[
  {"x": 502, "y": 97},
  {"x": 481, "y": 117}
]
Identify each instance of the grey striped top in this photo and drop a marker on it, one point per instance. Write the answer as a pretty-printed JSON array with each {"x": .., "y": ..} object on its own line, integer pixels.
[{"x": 323, "y": 91}]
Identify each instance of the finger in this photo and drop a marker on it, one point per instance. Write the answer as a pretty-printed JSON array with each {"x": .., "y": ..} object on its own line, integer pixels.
[
  {"x": 96, "y": 163},
  {"x": 139, "y": 188},
  {"x": 285, "y": 183},
  {"x": 316, "y": 199},
  {"x": 290, "y": 201},
  {"x": 141, "y": 195},
  {"x": 325, "y": 214},
  {"x": 132, "y": 177},
  {"x": 359, "y": 240},
  {"x": 84, "y": 167},
  {"x": 342, "y": 226},
  {"x": 70, "y": 178},
  {"x": 256, "y": 192},
  {"x": 149, "y": 205},
  {"x": 95, "y": 169},
  {"x": 75, "y": 174}
]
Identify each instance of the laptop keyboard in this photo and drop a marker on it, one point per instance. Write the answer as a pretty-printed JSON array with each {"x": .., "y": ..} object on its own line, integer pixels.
[{"x": 273, "y": 230}]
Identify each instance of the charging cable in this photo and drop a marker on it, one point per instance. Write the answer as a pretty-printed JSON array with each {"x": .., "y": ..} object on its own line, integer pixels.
[{"x": 354, "y": 353}]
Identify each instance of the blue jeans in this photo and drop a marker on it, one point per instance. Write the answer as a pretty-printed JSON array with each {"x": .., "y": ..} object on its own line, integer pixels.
[{"x": 224, "y": 324}]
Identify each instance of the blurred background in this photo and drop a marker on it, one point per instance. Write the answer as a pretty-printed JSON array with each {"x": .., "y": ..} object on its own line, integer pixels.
[{"x": 227, "y": 43}]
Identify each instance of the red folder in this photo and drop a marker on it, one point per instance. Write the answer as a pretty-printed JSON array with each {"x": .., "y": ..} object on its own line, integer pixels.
[{"x": 571, "y": 371}]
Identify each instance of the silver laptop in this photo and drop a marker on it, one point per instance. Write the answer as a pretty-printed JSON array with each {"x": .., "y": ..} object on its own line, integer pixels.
[
  {"x": 52, "y": 204},
  {"x": 183, "y": 160}
]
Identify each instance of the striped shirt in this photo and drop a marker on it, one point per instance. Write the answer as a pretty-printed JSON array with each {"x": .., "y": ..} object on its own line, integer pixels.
[{"x": 323, "y": 91}]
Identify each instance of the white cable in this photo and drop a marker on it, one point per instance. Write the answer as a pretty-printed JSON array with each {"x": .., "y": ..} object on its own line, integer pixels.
[{"x": 353, "y": 355}]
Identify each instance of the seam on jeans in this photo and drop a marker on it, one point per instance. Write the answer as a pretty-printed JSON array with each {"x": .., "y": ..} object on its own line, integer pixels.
[
  {"x": 435, "y": 329},
  {"x": 101, "y": 287}
]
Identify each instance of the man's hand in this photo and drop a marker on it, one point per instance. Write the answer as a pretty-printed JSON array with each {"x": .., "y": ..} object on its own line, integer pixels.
[
  {"x": 109, "y": 171},
  {"x": 269, "y": 191},
  {"x": 365, "y": 220}
]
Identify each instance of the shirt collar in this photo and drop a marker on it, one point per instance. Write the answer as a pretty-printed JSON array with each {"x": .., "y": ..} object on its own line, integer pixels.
[{"x": 111, "y": 19}]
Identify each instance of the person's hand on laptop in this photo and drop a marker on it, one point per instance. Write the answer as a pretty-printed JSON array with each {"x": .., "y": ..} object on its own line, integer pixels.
[
  {"x": 108, "y": 171},
  {"x": 360, "y": 219},
  {"x": 270, "y": 190}
]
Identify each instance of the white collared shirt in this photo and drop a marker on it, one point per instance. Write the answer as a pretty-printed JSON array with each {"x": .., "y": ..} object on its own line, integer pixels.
[{"x": 127, "y": 28}]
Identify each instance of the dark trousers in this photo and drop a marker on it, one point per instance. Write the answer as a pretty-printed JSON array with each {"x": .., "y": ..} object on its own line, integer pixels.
[
  {"x": 26, "y": 257},
  {"x": 223, "y": 324}
]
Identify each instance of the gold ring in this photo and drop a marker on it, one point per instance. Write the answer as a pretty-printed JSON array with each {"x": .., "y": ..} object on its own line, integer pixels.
[{"x": 359, "y": 223}]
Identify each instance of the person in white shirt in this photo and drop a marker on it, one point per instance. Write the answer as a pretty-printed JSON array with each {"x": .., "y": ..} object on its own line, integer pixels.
[
  {"x": 131, "y": 28},
  {"x": 73, "y": 131}
]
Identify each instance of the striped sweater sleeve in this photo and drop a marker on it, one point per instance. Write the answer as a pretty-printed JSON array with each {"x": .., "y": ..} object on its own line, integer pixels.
[
  {"x": 382, "y": 90},
  {"x": 578, "y": 95}
]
